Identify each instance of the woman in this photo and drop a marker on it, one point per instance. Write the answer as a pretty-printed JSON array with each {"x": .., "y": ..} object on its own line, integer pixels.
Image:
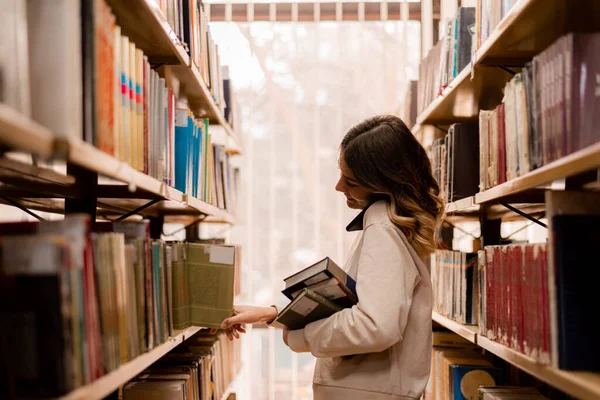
[{"x": 379, "y": 349}]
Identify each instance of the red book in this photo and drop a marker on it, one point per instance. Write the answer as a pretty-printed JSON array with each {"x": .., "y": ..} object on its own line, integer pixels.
[
  {"x": 546, "y": 345},
  {"x": 528, "y": 311}
]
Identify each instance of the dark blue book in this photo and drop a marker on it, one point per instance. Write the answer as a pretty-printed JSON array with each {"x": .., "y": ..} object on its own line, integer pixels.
[{"x": 576, "y": 278}]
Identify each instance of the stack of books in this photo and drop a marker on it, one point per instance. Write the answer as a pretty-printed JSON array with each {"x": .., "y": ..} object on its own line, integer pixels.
[{"x": 316, "y": 292}]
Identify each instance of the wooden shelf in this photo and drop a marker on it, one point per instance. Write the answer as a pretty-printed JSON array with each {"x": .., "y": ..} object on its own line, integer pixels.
[
  {"x": 573, "y": 164},
  {"x": 583, "y": 385},
  {"x": 462, "y": 206},
  {"x": 22, "y": 133},
  {"x": 529, "y": 27},
  {"x": 146, "y": 25},
  {"x": 111, "y": 382},
  {"x": 469, "y": 332},
  {"x": 44, "y": 189}
]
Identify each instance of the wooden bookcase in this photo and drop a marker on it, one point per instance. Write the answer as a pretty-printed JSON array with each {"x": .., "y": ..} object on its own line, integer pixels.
[
  {"x": 524, "y": 32},
  {"x": 82, "y": 178}
]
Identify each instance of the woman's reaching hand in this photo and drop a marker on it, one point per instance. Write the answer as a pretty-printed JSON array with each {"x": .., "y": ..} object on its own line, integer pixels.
[{"x": 242, "y": 315}]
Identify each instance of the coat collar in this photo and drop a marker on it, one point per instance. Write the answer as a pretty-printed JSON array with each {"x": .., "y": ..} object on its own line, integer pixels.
[{"x": 358, "y": 223}]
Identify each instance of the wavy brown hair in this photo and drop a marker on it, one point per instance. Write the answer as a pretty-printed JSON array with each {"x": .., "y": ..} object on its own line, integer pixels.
[{"x": 388, "y": 160}]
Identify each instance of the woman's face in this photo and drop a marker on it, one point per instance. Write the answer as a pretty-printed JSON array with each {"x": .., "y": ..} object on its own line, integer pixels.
[{"x": 357, "y": 196}]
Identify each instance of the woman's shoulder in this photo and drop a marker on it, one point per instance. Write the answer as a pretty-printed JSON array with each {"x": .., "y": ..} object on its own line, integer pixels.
[{"x": 377, "y": 213}]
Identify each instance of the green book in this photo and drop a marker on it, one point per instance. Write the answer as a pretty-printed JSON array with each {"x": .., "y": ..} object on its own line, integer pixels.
[
  {"x": 203, "y": 276},
  {"x": 306, "y": 307}
]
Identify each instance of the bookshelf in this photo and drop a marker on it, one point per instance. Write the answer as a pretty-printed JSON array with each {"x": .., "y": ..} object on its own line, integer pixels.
[
  {"x": 111, "y": 382},
  {"x": 115, "y": 194},
  {"x": 469, "y": 332},
  {"x": 573, "y": 164},
  {"x": 528, "y": 29},
  {"x": 146, "y": 25},
  {"x": 583, "y": 385},
  {"x": 45, "y": 170},
  {"x": 524, "y": 32}
]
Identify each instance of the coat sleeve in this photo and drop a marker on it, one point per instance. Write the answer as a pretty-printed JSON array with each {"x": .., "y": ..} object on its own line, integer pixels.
[{"x": 387, "y": 276}]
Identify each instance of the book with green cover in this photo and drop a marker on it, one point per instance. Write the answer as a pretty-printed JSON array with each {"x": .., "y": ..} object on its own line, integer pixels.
[{"x": 203, "y": 280}]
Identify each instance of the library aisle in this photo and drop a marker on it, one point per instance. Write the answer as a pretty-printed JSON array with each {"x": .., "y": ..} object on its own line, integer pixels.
[{"x": 164, "y": 160}]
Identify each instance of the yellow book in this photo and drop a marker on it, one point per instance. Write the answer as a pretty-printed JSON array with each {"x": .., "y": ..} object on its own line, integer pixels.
[
  {"x": 125, "y": 112},
  {"x": 133, "y": 136},
  {"x": 139, "y": 106}
]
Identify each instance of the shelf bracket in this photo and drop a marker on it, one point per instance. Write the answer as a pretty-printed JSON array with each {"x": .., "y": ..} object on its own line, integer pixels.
[
  {"x": 24, "y": 209},
  {"x": 440, "y": 128},
  {"x": 505, "y": 69},
  {"x": 524, "y": 215},
  {"x": 137, "y": 210}
]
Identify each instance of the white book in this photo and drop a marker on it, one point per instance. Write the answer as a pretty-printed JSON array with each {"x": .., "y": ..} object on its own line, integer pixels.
[{"x": 55, "y": 64}]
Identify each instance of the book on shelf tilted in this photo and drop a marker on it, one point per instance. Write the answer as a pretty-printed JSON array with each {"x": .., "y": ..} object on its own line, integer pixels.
[
  {"x": 69, "y": 67},
  {"x": 90, "y": 300},
  {"x": 202, "y": 368},
  {"x": 316, "y": 292}
]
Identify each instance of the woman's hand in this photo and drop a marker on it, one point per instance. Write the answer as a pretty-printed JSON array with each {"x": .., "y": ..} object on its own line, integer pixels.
[{"x": 246, "y": 315}]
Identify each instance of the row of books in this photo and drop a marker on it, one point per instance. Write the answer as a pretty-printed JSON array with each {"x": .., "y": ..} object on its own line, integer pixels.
[
  {"x": 533, "y": 298},
  {"x": 202, "y": 368},
  {"x": 190, "y": 23},
  {"x": 202, "y": 168},
  {"x": 454, "y": 277},
  {"x": 81, "y": 301},
  {"x": 447, "y": 58},
  {"x": 454, "y": 162},
  {"x": 514, "y": 303},
  {"x": 548, "y": 111},
  {"x": 68, "y": 66},
  {"x": 489, "y": 14},
  {"x": 459, "y": 371}
]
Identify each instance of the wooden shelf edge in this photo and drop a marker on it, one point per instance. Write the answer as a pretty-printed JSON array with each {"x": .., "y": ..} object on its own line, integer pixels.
[
  {"x": 462, "y": 205},
  {"x": 214, "y": 212},
  {"x": 423, "y": 118},
  {"x": 110, "y": 382},
  {"x": 88, "y": 156},
  {"x": 580, "y": 161},
  {"x": 584, "y": 385},
  {"x": 21, "y": 133},
  {"x": 466, "y": 331},
  {"x": 505, "y": 24}
]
